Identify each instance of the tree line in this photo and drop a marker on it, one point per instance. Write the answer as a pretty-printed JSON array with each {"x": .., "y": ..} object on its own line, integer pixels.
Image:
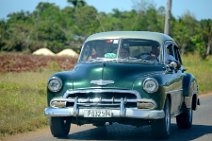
[{"x": 54, "y": 28}]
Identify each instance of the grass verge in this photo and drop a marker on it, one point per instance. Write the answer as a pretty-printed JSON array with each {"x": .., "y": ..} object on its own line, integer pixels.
[
  {"x": 23, "y": 99},
  {"x": 201, "y": 69}
]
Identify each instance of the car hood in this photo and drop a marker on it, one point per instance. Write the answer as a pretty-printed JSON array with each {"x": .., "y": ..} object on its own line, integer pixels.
[{"x": 110, "y": 75}]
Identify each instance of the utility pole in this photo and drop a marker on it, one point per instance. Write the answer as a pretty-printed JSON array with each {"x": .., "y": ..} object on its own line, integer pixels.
[{"x": 168, "y": 17}]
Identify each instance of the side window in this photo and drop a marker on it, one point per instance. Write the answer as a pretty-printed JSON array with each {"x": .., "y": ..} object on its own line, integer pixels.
[
  {"x": 169, "y": 53},
  {"x": 177, "y": 54},
  {"x": 169, "y": 50}
]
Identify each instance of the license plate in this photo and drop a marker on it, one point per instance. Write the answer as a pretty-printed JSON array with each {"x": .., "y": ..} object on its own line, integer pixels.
[{"x": 97, "y": 113}]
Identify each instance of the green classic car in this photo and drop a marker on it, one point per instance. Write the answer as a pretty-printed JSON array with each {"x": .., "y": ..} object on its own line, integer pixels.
[{"x": 128, "y": 77}]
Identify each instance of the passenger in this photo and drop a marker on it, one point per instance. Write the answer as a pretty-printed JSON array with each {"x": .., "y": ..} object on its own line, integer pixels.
[
  {"x": 170, "y": 58},
  {"x": 93, "y": 54}
]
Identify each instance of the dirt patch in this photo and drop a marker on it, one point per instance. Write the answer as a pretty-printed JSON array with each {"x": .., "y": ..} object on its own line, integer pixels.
[{"x": 13, "y": 62}]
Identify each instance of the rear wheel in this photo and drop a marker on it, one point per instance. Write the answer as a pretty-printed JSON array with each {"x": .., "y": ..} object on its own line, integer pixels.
[
  {"x": 184, "y": 120},
  {"x": 60, "y": 126},
  {"x": 161, "y": 127}
]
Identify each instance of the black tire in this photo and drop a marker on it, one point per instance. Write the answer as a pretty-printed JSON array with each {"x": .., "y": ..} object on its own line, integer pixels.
[
  {"x": 161, "y": 127},
  {"x": 60, "y": 126},
  {"x": 184, "y": 120}
]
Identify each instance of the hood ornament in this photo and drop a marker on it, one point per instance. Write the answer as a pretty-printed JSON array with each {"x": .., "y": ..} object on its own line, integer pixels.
[{"x": 101, "y": 82}]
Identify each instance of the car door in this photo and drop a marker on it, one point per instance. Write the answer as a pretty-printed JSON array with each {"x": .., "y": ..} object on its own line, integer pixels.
[{"x": 175, "y": 77}]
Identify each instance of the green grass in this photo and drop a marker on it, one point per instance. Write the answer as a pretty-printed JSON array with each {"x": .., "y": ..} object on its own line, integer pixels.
[
  {"x": 201, "y": 69},
  {"x": 22, "y": 101}
]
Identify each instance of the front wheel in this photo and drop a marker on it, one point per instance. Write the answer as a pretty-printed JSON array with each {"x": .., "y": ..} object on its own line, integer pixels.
[
  {"x": 184, "y": 120},
  {"x": 60, "y": 126},
  {"x": 161, "y": 127}
]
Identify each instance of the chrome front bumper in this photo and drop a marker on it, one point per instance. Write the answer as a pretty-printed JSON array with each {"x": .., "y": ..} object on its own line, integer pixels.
[
  {"x": 127, "y": 113},
  {"x": 116, "y": 106}
]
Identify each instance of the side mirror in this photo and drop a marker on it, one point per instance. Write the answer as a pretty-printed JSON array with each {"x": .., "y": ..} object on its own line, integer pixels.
[
  {"x": 184, "y": 69},
  {"x": 173, "y": 65}
]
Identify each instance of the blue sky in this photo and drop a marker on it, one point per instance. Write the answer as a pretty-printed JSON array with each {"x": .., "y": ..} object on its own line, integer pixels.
[{"x": 201, "y": 9}]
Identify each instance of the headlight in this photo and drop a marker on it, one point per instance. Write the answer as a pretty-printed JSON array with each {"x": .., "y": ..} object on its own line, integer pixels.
[
  {"x": 55, "y": 84},
  {"x": 150, "y": 85}
]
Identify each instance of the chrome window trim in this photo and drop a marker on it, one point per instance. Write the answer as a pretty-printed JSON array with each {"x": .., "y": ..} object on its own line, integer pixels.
[{"x": 166, "y": 44}]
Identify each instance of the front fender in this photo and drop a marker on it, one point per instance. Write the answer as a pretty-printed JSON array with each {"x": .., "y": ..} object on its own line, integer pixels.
[
  {"x": 190, "y": 86},
  {"x": 190, "y": 91},
  {"x": 159, "y": 96},
  {"x": 66, "y": 78}
]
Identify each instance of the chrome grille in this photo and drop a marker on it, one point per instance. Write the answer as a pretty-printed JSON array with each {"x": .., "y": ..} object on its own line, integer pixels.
[{"x": 101, "y": 98}]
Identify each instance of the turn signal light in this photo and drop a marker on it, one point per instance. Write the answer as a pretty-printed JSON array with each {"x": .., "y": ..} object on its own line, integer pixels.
[{"x": 146, "y": 104}]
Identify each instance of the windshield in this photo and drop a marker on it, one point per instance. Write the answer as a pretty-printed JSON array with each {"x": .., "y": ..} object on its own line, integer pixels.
[{"x": 121, "y": 50}]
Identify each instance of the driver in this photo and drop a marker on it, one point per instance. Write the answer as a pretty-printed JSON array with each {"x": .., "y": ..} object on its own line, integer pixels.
[{"x": 154, "y": 54}]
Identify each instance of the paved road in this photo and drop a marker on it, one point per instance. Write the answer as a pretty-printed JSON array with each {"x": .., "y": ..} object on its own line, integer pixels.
[{"x": 200, "y": 131}]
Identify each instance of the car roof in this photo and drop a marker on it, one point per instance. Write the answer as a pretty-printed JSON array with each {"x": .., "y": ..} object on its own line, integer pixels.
[{"x": 160, "y": 37}]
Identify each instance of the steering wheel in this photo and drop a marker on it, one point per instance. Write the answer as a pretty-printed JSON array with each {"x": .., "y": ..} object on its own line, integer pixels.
[{"x": 143, "y": 56}]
